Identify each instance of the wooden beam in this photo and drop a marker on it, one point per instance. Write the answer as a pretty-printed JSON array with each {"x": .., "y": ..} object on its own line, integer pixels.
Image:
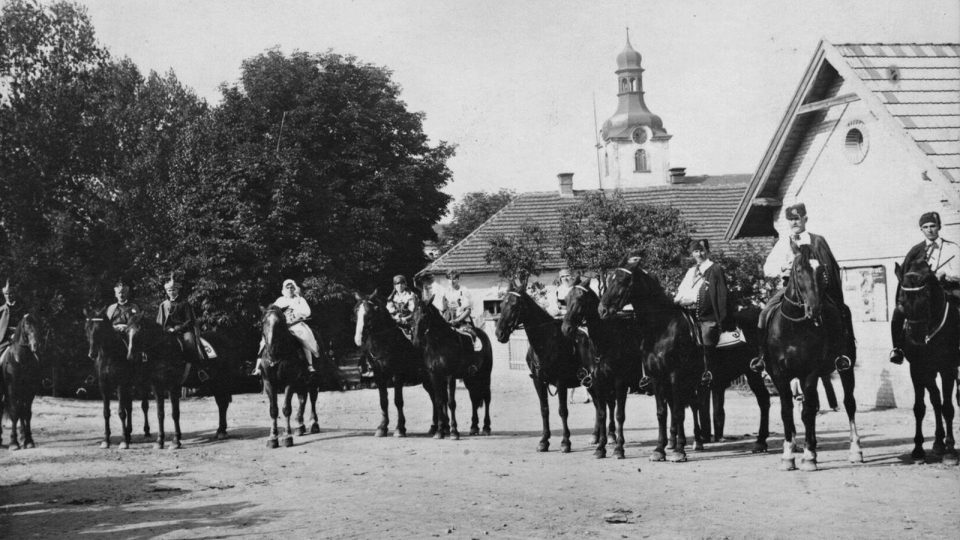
[
  {"x": 827, "y": 103},
  {"x": 768, "y": 202}
]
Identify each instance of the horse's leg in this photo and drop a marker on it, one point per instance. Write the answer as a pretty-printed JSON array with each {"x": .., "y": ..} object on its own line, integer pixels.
[
  {"x": 919, "y": 410},
  {"x": 718, "y": 394},
  {"x": 597, "y": 415},
  {"x": 564, "y": 411},
  {"x": 486, "y": 394},
  {"x": 452, "y": 405},
  {"x": 124, "y": 409},
  {"x": 315, "y": 424},
  {"x": 145, "y": 408},
  {"x": 476, "y": 401},
  {"x": 105, "y": 392},
  {"x": 175, "y": 415},
  {"x": 401, "y": 430},
  {"x": 811, "y": 405},
  {"x": 439, "y": 383},
  {"x": 659, "y": 453},
  {"x": 947, "y": 377},
  {"x": 939, "y": 433},
  {"x": 287, "y": 413},
  {"x": 433, "y": 406},
  {"x": 601, "y": 400},
  {"x": 611, "y": 401},
  {"x": 384, "y": 406},
  {"x": 26, "y": 416},
  {"x": 702, "y": 398},
  {"x": 620, "y": 386},
  {"x": 755, "y": 380},
  {"x": 541, "y": 389},
  {"x": 161, "y": 416},
  {"x": 271, "y": 392},
  {"x": 223, "y": 398},
  {"x": 848, "y": 381},
  {"x": 787, "y": 461},
  {"x": 678, "y": 414},
  {"x": 13, "y": 410},
  {"x": 302, "y": 407}
]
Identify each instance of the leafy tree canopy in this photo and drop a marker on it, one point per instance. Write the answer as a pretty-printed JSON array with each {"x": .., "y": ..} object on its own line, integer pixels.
[
  {"x": 472, "y": 211},
  {"x": 521, "y": 255}
]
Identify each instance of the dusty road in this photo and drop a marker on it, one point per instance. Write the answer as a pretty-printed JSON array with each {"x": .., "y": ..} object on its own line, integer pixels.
[{"x": 345, "y": 483}]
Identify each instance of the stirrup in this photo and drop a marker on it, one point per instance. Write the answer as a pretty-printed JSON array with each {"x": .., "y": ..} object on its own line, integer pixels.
[
  {"x": 706, "y": 378},
  {"x": 645, "y": 385},
  {"x": 896, "y": 356},
  {"x": 757, "y": 364},
  {"x": 843, "y": 363}
]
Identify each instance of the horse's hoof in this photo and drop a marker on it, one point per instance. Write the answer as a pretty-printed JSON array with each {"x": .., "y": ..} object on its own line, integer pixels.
[
  {"x": 432, "y": 431},
  {"x": 455, "y": 435},
  {"x": 855, "y": 457},
  {"x": 147, "y": 436},
  {"x": 124, "y": 445},
  {"x": 951, "y": 459},
  {"x": 438, "y": 435},
  {"x": 486, "y": 431},
  {"x": 678, "y": 456},
  {"x": 288, "y": 441},
  {"x": 273, "y": 443},
  {"x": 759, "y": 448},
  {"x": 400, "y": 433},
  {"x": 29, "y": 444},
  {"x": 918, "y": 455},
  {"x": 301, "y": 431},
  {"x": 658, "y": 455},
  {"x": 14, "y": 447},
  {"x": 939, "y": 449},
  {"x": 176, "y": 445},
  {"x": 788, "y": 464},
  {"x": 474, "y": 431},
  {"x": 698, "y": 447},
  {"x": 600, "y": 453},
  {"x": 315, "y": 428},
  {"x": 619, "y": 453},
  {"x": 104, "y": 445},
  {"x": 808, "y": 465},
  {"x": 222, "y": 435},
  {"x": 381, "y": 432},
  {"x": 707, "y": 439},
  {"x": 158, "y": 445},
  {"x": 543, "y": 446}
]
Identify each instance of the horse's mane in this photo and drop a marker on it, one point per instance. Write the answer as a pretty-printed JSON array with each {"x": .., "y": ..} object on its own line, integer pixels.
[
  {"x": 538, "y": 310},
  {"x": 22, "y": 327},
  {"x": 649, "y": 284}
]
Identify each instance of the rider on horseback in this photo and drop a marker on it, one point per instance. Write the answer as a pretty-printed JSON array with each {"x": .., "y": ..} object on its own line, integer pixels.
[
  {"x": 459, "y": 307},
  {"x": 176, "y": 316},
  {"x": 296, "y": 311},
  {"x": 778, "y": 264},
  {"x": 10, "y": 314},
  {"x": 558, "y": 300},
  {"x": 703, "y": 292},
  {"x": 943, "y": 257},
  {"x": 123, "y": 312},
  {"x": 401, "y": 303}
]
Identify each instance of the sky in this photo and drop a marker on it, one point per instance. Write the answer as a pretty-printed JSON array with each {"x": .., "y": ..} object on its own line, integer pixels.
[{"x": 513, "y": 84}]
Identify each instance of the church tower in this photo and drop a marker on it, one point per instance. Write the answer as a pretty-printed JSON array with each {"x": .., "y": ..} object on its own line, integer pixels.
[{"x": 635, "y": 144}]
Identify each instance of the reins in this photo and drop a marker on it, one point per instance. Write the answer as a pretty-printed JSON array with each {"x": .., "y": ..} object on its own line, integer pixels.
[{"x": 943, "y": 320}]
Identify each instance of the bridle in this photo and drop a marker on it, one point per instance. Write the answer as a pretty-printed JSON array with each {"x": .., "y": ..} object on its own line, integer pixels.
[
  {"x": 794, "y": 287},
  {"x": 926, "y": 321}
]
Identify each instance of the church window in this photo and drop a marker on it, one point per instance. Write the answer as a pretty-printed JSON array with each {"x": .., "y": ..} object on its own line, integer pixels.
[
  {"x": 640, "y": 161},
  {"x": 624, "y": 85},
  {"x": 633, "y": 84}
]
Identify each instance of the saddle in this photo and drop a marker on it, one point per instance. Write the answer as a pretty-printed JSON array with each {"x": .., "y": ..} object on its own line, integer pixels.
[
  {"x": 694, "y": 327},
  {"x": 477, "y": 344},
  {"x": 207, "y": 348}
]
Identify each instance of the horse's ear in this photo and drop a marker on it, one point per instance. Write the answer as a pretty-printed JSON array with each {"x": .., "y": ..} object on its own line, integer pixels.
[
  {"x": 357, "y": 296},
  {"x": 898, "y": 271}
]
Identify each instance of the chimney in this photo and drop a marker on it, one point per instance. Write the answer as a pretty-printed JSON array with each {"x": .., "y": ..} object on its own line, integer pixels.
[
  {"x": 677, "y": 174},
  {"x": 566, "y": 184}
]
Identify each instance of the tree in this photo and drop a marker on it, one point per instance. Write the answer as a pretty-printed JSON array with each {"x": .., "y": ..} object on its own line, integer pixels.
[
  {"x": 600, "y": 230},
  {"x": 521, "y": 255},
  {"x": 744, "y": 271},
  {"x": 311, "y": 168},
  {"x": 472, "y": 211}
]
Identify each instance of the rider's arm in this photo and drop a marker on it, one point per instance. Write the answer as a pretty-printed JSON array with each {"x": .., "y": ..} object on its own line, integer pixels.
[
  {"x": 685, "y": 293},
  {"x": 301, "y": 310},
  {"x": 779, "y": 259},
  {"x": 950, "y": 262}
]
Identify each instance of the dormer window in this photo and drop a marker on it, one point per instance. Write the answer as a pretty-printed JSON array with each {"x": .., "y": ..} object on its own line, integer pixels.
[{"x": 640, "y": 161}]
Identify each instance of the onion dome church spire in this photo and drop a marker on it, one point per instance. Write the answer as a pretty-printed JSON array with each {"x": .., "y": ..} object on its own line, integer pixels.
[{"x": 632, "y": 111}]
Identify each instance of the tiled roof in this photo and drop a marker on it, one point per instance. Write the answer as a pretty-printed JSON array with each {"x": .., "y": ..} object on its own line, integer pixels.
[
  {"x": 919, "y": 83},
  {"x": 706, "y": 203}
]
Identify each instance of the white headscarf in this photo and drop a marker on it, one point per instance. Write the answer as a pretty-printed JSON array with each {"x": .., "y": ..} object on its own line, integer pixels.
[{"x": 296, "y": 289}]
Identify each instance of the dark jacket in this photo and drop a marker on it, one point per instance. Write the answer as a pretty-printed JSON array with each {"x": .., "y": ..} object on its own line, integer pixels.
[
  {"x": 712, "y": 298},
  {"x": 178, "y": 315}
]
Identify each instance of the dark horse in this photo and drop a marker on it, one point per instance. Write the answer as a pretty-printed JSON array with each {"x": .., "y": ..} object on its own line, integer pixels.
[
  {"x": 394, "y": 360},
  {"x": 449, "y": 355},
  {"x": 931, "y": 347},
  {"x": 283, "y": 368},
  {"x": 670, "y": 353},
  {"x": 798, "y": 346},
  {"x": 553, "y": 358},
  {"x": 617, "y": 360},
  {"x": 732, "y": 362},
  {"x": 20, "y": 380},
  {"x": 114, "y": 372},
  {"x": 163, "y": 371}
]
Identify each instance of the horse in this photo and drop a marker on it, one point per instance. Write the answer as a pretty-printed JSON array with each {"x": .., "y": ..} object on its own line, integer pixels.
[
  {"x": 114, "y": 372},
  {"x": 731, "y": 363},
  {"x": 393, "y": 359},
  {"x": 932, "y": 341},
  {"x": 617, "y": 360},
  {"x": 20, "y": 379},
  {"x": 163, "y": 371},
  {"x": 799, "y": 344},
  {"x": 671, "y": 356},
  {"x": 283, "y": 368},
  {"x": 553, "y": 358},
  {"x": 449, "y": 355}
]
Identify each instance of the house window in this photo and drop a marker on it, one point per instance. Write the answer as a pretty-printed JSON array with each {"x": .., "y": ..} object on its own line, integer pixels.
[
  {"x": 640, "y": 161},
  {"x": 491, "y": 309},
  {"x": 855, "y": 146}
]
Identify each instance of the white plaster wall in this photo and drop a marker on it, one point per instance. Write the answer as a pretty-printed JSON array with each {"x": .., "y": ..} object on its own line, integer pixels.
[{"x": 621, "y": 171}]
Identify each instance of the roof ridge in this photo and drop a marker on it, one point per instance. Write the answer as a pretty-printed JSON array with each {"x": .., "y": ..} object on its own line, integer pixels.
[{"x": 476, "y": 230}]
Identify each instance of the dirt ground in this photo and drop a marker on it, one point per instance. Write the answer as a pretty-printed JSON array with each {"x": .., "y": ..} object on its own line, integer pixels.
[{"x": 345, "y": 483}]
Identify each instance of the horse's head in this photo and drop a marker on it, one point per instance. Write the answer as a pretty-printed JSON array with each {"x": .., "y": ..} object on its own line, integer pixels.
[
  {"x": 582, "y": 306},
  {"x": 805, "y": 282},
  {"x": 96, "y": 328},
  {"x": 137, "y": 334},
  {"x": 917, "y": 300},
  {"x": 511, "y": 311},
  {"x": 424, "y": 316},
  {"x": 28, "y": 333},
  {"x": 620, "y": 287},
  {"x": 368, "y": 310}
]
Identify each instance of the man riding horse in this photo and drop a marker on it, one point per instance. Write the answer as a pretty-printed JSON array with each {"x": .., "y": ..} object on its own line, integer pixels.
[
  {"x": 459, "y": 303},
  {"x": 703, "y": 292},
  {"x": 176, "y": 316},
  {"x": 10, "y": 314},
  {"x": 123, "y": 312},
  {"x": 778, "y": 264},
  {"x": 401, "y": 303},
  {"x": 943, "y": 257}
]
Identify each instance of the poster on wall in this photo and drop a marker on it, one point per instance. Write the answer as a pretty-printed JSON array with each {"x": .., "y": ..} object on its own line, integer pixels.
[{"x": 865, "y": 292}]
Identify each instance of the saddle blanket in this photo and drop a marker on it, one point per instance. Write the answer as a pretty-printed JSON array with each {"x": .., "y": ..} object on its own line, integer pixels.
[
  {"x": 208, "y": 349},
  {"x": 731, "y": 338},
  {"x": 477, "y": 344}
]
